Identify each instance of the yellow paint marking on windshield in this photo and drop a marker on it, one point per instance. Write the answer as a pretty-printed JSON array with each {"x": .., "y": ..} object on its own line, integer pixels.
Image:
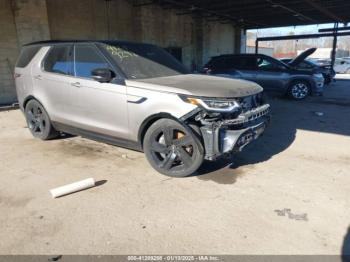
[{"x": 120, "y": 52}]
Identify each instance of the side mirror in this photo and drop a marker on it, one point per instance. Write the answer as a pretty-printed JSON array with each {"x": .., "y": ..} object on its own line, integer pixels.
[{"x": 102, "y": 75}]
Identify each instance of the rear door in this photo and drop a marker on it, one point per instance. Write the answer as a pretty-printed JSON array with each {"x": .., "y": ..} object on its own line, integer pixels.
[
  {"x": 245, "y": 66},
  {"x": 51, "y": 81},
  {"x": 234, "y": 66},
  {"x": 97, "y": 107}
]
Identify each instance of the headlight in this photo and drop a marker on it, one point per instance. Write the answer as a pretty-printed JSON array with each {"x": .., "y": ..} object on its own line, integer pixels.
[
  {"x": 213, "y": 104},
  {"x": 318, "y": 75}
]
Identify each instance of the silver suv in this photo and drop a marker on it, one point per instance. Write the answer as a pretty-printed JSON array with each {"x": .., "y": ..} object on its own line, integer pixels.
[{"x": 137, "y": 96}]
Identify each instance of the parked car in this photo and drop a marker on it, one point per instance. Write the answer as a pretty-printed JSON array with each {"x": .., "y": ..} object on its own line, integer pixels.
[
  {"x": 305, "y": 64},
  {"x": 272, "y": 74},
  {"x": 342, "y": 66},
  {"x": 137, "y": 96}
]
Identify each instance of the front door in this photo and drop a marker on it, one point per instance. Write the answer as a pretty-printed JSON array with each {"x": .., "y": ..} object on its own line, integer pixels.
[
  {"x": 242, "y": 66},
  {"x": 270, "y": 75},
  {"x": 97, "y": 107}
]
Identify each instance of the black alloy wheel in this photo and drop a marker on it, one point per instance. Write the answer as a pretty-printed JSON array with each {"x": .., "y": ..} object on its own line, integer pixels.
[
  {"x": 172, "y": 149},
  {"x": 38, "y": 121}
]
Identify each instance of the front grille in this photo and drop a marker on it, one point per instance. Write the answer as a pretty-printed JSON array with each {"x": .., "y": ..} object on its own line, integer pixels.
[
  {"x": 250, "y": 102},
  {"x": 249, "y": 116}
]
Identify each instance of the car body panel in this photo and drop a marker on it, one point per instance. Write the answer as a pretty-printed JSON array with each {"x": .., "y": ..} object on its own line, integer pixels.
[
  {"x": 199, "y": 85},
  {"x": 326, "y": 70},
  {"x": 301, "y": 57}
]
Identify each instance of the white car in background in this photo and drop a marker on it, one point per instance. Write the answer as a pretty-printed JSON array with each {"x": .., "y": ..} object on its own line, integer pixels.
[{"x": 342, "y": 65}]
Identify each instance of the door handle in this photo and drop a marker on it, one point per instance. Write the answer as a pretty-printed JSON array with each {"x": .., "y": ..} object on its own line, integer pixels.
[
  {"x": 38, "y": 77},
  {"x": 76, "y": 84}
]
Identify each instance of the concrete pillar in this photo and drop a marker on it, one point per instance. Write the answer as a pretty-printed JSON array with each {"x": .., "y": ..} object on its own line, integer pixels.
[
  {"x": 8, "y": 52},
  {"x": 31, "y": 20},
  {"x": 240, "y": 40},
  {"x": 197, "y": 44}
]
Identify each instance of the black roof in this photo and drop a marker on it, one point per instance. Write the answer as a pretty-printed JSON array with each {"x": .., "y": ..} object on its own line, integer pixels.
[
  {"x": 53, "y": 42},
  {"x": 244, "y": 54}
]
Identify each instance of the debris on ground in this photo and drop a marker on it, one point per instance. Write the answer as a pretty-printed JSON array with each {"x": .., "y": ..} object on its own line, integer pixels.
[
  {"x": 71, "y": 188},
  {"x": 288, "y": 211}
]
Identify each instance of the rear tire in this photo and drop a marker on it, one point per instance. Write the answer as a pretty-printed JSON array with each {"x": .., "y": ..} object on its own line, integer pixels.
[
  {"x": 299, "y": 90},
  {"x": 172, "y": 149},
  {"x": 38, "y": 121}
]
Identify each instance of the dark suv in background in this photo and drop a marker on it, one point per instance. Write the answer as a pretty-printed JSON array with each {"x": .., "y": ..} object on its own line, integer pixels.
[
  {"x": 300, "y": 62},
  {"x": 272, "y": 74}
]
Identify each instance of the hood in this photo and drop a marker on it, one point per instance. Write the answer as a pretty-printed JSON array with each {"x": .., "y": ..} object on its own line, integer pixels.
[
  {"x": 198, "y": 85},
  {"x": 300, "y": 58}
]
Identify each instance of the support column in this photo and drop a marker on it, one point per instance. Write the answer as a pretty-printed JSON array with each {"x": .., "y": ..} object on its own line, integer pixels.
[
  {"x": 197, "y": 62},
  {"x": 240, "y": 40},
  {"x": 31, "y": 20}
]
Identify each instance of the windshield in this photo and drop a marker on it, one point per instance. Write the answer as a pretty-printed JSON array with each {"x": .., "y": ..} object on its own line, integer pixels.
[{"x": 138, "y": 61}]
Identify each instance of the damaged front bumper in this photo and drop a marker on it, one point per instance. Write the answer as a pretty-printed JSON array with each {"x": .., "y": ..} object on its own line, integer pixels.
[{"x": 225, "y": 136}]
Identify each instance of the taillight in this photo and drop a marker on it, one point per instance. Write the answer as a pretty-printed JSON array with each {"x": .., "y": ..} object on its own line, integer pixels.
[{"x": 207, "y": 70}]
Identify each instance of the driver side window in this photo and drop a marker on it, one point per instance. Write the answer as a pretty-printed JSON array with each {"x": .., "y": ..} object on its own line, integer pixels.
[
  {"x": 86, "y": 59},
  {"x": 265, "y": 64}
]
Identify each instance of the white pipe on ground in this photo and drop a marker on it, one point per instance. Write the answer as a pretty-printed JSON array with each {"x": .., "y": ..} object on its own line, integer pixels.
[{"x": 71, "y": 188}]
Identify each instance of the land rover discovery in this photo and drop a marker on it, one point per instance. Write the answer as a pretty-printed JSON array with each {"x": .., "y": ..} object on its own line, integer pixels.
[{"x": 137, "y": 96}]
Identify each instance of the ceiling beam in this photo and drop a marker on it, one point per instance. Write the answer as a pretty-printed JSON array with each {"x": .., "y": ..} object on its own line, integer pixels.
[
  {"x": 325, "y": 11},
  {"x": 223, "y": 16},
  {"x": 296, "y": 13}
]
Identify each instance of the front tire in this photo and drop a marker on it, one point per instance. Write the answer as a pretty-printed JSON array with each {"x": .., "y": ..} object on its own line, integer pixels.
[
  {"x": 299, "y": 90},
  {"x": 172, "y": 149},
  {"x": 38, "y": 121}
]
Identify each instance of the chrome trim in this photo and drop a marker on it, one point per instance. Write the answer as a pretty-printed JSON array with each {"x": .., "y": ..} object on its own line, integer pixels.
[{"x": 249, "y": 116}]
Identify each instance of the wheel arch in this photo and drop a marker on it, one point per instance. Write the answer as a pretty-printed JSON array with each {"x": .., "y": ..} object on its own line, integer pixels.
[
  {"x": 149, "y": 121},
  {"x": 31, "y": 97},
  {"x": 304, "y": 79},
  {"x": 27, "y": 99}
]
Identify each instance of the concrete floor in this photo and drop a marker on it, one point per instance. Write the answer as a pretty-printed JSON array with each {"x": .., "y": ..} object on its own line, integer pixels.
[{"x": 287, "y": 193}]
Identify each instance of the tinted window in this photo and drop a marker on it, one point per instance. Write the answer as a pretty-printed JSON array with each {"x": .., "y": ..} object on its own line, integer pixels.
[
  {"x": 218, "y": 63},
  {"x": 59, "y": 60},
  {"x": 87, "y": 59},
  {"x": 265, "y": 63},
  {"x": 26, "y": 55},
  {"x": 139, "y": 61},
  {"x": 242, "y": 62}
]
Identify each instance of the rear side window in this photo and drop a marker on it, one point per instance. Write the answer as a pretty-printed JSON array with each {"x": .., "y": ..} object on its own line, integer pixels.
[
  {"x": 218, "y": 63},
  {"x": 26, "y": 55},
  {"x": 242, "y": 63},
  {"x": 87, "y": 59},
  {"x": 59, "y": 60}
]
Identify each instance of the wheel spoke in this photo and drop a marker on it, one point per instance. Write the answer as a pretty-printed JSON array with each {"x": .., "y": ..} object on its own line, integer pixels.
[
  {"x": 183, "y": 141},
  {"x": 168, "y": 135},
  {"x": 41, "y": 125},
  {"x": 160, "y": 148},
  {"x": 168, "y": 161},
  {"x": 36, "y": 126},
  {"x": 184, "y": 157},
  {"x": 36, "y": 111},
  {"x": 30, "y": 116}
]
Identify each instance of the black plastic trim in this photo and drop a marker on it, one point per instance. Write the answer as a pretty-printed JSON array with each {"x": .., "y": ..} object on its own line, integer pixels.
[{"x": 98, "y": 137}]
